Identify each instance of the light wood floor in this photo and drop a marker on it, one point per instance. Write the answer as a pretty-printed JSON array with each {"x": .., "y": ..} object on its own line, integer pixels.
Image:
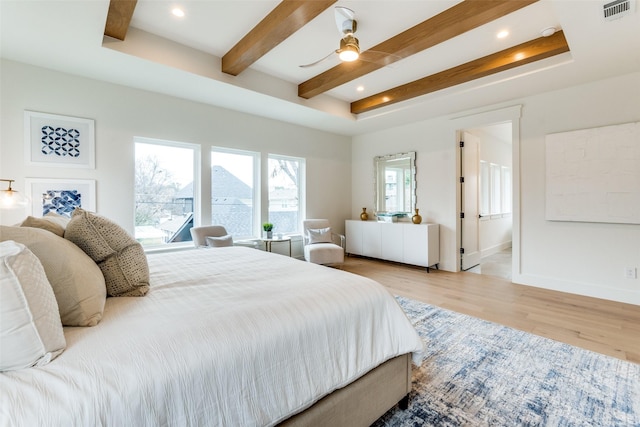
[{"x": 603, "y": 326}]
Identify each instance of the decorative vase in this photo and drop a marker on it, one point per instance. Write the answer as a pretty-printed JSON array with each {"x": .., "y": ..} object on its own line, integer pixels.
[
  {"x": 416, "y": 219},
  {"x": 364, "y": 215}
]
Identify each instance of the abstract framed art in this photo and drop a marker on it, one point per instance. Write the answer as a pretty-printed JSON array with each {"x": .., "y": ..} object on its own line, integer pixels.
[
  {"x": 53, "y": 140},
  {"x": 60, "y": 196}
]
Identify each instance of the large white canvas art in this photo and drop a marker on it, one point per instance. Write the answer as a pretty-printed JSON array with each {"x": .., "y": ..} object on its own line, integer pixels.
[{"x": 593, "y": 175}]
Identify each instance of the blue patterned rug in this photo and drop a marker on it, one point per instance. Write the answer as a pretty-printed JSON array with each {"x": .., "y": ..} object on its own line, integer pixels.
[{"x": 478, "y": 373}]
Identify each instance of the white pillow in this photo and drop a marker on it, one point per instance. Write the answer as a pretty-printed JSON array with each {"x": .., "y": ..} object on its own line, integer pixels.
[
  {"x": 319, "y": 235},
  {"x": 218, "y": 242},
  {"x": 30, "y": 328}
]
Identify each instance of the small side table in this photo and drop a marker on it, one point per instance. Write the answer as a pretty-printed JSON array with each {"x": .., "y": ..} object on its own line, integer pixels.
[{"x": 269, "y": 242}]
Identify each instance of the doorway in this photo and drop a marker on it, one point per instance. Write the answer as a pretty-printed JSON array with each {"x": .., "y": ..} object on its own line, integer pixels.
[{"x": 486, "y": 189}]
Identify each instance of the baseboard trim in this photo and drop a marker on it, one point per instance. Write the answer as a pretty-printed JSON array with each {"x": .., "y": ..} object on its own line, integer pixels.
[
  {"x": 495, "y": 249},
  {"x": 593, "y": 290}
]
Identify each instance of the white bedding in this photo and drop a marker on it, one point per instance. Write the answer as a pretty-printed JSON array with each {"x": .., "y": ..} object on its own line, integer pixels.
[{"x": 227, "y": 336}]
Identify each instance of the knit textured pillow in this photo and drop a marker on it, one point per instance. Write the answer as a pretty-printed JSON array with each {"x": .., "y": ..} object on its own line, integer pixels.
[{"x": 119, "y": 256}]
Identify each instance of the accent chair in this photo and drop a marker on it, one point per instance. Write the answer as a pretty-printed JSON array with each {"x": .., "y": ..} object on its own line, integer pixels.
[
  {"x": 211, "y": 235},
  {"x": 321, "y": 245}
]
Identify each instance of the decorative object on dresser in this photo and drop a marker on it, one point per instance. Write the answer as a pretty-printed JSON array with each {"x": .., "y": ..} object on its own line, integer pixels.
[
  {"x": 389, "y": 216},
  {"x": 364, "y": 216},
  {"x": 53, "y": 140},
  {"x": 321, "y": 244},
  {"x": 415, "y": 244},
  {"x": 417, "y": 218}
]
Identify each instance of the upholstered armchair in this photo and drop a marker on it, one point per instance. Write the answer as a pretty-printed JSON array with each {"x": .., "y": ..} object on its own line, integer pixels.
[
  {"x": 321, "y": 245},
  {"x": 211, "y": 235}
]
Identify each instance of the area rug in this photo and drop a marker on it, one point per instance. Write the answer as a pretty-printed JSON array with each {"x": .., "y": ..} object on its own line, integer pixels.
[{"x": 478, "y": 373}]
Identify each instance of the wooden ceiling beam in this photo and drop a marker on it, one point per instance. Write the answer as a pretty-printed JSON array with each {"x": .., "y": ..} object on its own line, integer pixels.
[
  {"x": 119, "y": 17},
  {"x": 287, "y": 18},
  {"x": 525, "y": 53},
  {"x": 452, "y": 22}
]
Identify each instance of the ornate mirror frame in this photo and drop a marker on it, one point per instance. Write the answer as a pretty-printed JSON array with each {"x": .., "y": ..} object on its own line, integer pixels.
[{"x": 404, "y": 161}]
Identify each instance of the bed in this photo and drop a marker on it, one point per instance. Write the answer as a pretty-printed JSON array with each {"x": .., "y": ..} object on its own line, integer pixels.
[{"x": 231, "y": 337}]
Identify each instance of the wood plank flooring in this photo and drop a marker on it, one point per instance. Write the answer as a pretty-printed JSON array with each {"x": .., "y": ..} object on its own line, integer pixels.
[{"x": 607, "y": 327}]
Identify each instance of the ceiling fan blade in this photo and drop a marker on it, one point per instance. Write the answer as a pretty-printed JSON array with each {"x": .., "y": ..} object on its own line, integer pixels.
[
  {"x": 344, "y": 19},
  {"x": 319, "y": 60},
  {"x": 378, "y": 57}
]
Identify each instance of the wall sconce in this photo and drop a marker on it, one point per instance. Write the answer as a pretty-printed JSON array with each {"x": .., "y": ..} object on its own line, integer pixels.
[{"x": 10, "y": 198}]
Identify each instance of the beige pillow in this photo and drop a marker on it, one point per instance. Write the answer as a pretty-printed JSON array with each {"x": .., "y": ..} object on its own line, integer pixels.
[
  {"x": 30, "y": 329},
  {"x": 76, "y": 280},
  {"x": 61, "y": 220},
  {"x": 119, "y": 256},
  {"x": 43, "y": 223}
]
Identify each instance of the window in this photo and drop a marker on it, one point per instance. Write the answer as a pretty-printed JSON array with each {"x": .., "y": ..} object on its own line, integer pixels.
[
  {"x": 495, "y": 189},
  {"x": 484, "y": 188},
  {"x": 285, "y": 193},
  {"x": 496, "y": 182},
  {"x": 234, "y": 191},
  {"x": 165, "y": 174}
]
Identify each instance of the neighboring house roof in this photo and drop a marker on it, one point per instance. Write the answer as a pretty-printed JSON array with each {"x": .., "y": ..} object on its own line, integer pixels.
[{"x": 224, "y": 185}]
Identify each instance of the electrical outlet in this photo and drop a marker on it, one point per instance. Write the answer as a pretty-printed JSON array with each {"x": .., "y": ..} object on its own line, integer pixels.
[{"x": 630, "y": 273}]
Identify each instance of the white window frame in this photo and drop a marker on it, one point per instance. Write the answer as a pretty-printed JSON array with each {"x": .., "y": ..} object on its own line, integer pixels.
[
  {"x": 301, "y": 188},
  {"x": 257, "y": 200},
  {"x": 197, "y": 176}
]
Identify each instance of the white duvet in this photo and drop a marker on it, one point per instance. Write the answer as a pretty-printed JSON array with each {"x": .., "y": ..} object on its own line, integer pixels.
[{"x": 226, "y": 337}]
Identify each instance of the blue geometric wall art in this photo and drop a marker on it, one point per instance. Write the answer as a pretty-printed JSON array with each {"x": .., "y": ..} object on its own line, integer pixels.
[
  {"x": 61, "y": 202},
  {"x": 62, "y": 141},
  {"x": 60, "y": 196},
  {"x": 59, "y": 141}
]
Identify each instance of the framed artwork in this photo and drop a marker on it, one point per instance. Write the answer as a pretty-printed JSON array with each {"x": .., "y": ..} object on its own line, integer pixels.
[
  {"x": 52, "y": 140},
  {"x": 60, "y": 196}
]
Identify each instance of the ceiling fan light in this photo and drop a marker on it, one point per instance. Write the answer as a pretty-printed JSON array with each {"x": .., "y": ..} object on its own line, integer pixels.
[{"x": 348, "y": 54}]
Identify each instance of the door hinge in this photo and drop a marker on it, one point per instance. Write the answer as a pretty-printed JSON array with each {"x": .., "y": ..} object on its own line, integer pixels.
[
  {"x": 462, "y": 180},
  {"x": 461, "y": 251},
  {"x": 461, "y": 144},
  {"x": 461, "y": 215}
]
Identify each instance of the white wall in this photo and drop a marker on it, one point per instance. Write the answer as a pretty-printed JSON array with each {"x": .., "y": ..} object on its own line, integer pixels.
[
  {"x": 582, "y": 258},
  {"x": 120, "y": 113}
]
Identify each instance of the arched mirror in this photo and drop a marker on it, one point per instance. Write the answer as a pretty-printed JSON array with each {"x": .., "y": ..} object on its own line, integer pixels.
[{"x": 395, "y": 183}]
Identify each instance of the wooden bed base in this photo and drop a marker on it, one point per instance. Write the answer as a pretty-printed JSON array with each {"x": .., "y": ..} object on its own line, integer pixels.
[{"x": 363, "y": 401}]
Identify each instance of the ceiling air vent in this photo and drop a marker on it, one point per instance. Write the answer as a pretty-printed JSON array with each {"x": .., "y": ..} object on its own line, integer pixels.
[{"x": 617, "y": 9}]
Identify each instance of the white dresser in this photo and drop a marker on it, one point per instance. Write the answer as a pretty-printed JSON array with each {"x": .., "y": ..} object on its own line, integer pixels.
[{"x": 405, "y": 242}]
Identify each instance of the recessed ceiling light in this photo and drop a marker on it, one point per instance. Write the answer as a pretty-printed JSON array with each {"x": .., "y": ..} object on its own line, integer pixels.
[
  {"x": 360, "y": 88},
  {"x": 176, "y": 11},
  {"x": 547, "y": 32},
  {"x": 502, "y": 34}
]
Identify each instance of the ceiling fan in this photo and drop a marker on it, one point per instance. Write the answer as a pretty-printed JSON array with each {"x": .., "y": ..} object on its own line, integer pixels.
[{"x": 349, "y": 46}]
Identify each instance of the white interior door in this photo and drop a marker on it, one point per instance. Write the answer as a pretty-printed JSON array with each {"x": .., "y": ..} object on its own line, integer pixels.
[{"x": 470, "y": 161}]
